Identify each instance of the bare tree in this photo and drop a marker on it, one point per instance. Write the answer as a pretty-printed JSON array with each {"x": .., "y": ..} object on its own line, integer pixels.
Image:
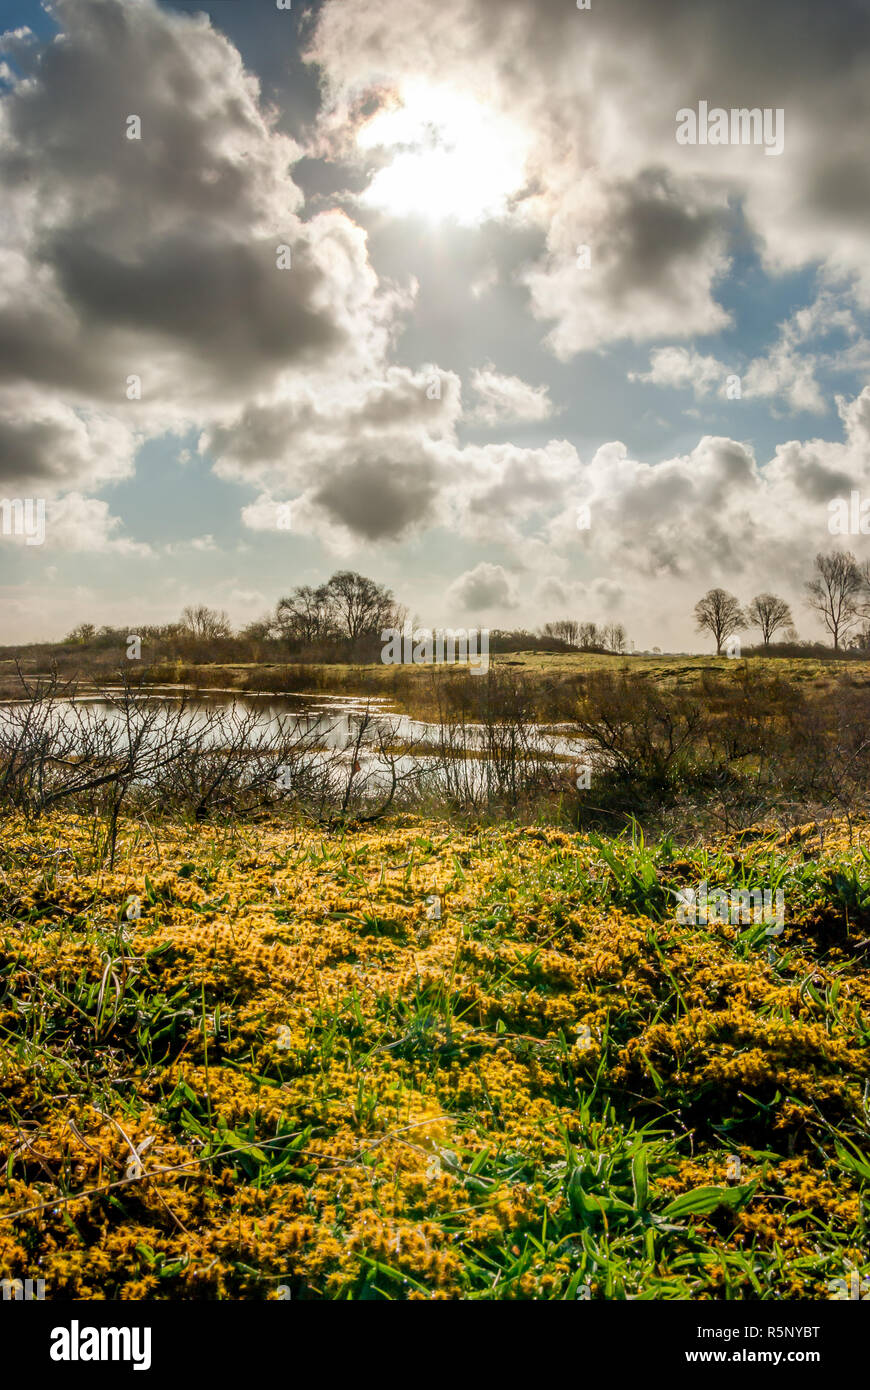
[
  {"x": 613, "y": 638},
  {"x": 205, "y": 623},
  {"x": 259, "y": 629},
  {"x": 588, "y": 636},
  {"x": 720, "y": 613},
  {"x": 862, "y": 638},
  {"x": 307, "y": 615},
  {"x": 835, "y": 592},
  {"x": 565, "y": 630},
  {"x": 770, "y": 614},
  {"x": 363, "y": 606}
]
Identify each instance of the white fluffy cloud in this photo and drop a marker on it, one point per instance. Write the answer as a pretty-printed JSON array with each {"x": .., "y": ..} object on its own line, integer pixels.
[
  {"x": 85, "y": 524},
  {"x": 682, "y": 367},
  {"x": 508, "y": 399},
  {"x": 714, "y": 516},
  {"x": 483, "y": 589},
  {"x": 787, "y": 373}
]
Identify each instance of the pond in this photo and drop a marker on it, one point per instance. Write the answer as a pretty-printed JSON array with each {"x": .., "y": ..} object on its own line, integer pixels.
[{"x": 362, "y": 738}]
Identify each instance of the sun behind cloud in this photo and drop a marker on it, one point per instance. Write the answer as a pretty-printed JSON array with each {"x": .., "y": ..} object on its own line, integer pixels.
[{"x": 454, "y": 158}]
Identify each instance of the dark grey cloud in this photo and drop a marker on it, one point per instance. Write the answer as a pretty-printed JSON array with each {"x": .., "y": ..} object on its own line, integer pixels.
[
  {"x": 44, "y": 346},
  {"x": 815, "y": 474},
  {"x": 32, "y": 450},
  {"x": 45, "y": 444},
  {"x": 378, "y": 498},
  {"x": 158, "y": 257},
  {"x": 228, "y": 302},
  {"x": 654, "y": 231}
]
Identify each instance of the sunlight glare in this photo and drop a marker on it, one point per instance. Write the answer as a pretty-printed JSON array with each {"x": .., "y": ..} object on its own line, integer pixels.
[{"x": 454, "y": 158}]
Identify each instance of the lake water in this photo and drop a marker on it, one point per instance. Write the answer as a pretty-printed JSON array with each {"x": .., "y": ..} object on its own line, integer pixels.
[{"x": 328, "y": 728}]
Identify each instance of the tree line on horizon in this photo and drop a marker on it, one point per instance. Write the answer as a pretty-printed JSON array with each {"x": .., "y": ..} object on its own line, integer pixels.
[
  {"x": 346, "y": 612},
  {"x": 838, "y": 591},
  {"x": 343, "y": 618}
]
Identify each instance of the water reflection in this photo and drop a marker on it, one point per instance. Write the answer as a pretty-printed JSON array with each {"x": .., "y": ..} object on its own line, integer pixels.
[{"x": 370, "y": 741}]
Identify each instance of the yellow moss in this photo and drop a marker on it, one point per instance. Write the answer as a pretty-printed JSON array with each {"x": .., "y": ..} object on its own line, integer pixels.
[{"x": 282, "y": 976}]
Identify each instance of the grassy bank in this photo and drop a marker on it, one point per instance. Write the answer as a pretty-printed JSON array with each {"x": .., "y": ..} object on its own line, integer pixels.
[
  {"x": 289, "y": 1076},
  {"x": 553, "y": 680}
]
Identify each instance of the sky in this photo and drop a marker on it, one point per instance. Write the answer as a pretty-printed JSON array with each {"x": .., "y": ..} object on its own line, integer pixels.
[{"x": 420, "y": 290}]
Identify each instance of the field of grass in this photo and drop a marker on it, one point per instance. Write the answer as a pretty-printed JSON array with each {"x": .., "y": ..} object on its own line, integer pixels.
[
  {"x": 666, "y": 670},
  {"x": 418, "y": 1062},
  {"x": 416, "y": 689}
]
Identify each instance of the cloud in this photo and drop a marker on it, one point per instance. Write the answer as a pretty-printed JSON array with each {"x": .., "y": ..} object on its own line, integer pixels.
[
  {"x": 346, "y": 483},
  {"x": 484, "y": 282},
  {"x": 499, "y": 486},
  {"x": 285, "y": 439},
  {"x": 680, "y": 367},
  {"x": 484, "y": 588},
  {"x": 602, "y": 598},
  {"x": 785, "y": 374},
  {"x": 787, "y": 371},
  {"x": 158, "y": 257},
  {"x": 45, "y": 444},
  {"x": 85, "y": 524},
  {"x": 198, "y": 544},
  {"x": 656, "y": 250},
  {"x": 597, "y": 105},
  {"x": 367, "y": 460},
  {"x": 505, "y": 399},
  {"x": 378, "y": 497},
  {"x": 665, "y": 532}
]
